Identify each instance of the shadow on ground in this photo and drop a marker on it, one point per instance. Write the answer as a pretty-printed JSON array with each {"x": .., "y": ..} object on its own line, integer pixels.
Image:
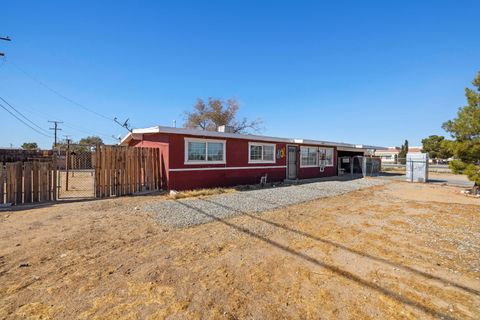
[{"x": 340, "y": 272}]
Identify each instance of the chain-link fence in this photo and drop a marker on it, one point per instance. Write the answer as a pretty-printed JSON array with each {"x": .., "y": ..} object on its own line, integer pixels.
[
  {"x": 399, "y": 166},
  {"x": 76, "y": 172},
  {"x": 359, "y": 166}
]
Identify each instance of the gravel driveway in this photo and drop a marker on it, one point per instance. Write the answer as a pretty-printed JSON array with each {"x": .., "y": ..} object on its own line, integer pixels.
[{"x": 193, "y": 211}]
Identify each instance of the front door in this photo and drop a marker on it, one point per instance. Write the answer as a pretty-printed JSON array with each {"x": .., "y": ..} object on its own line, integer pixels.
[{"x": 292, "y": 163}]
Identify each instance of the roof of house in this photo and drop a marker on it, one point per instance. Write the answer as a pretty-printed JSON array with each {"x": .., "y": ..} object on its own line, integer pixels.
[{"x": 137, "y": 135}]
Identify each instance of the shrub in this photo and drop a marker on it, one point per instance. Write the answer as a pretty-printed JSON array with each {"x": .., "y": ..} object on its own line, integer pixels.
[
  {"x": 473, "y": 173},
  {"x": 457, "y": 166}
]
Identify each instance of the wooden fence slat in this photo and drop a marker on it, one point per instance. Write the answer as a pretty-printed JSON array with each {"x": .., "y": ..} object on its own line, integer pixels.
[
  {"x": 10, "y": 192},
  {"x": 44, "y": 183},
  {"x": 131, "y": 156},
  {"x": 121, "y": 170},
  {"x": 137, "y": 169},
  {"x": 130, "y": 171},
  {"x": 27, "y": 182},
  {"x": 2, "y": 183},
  {"x": 114, "y": 171},
  {"x": 134, "y": 169},
  {"x": 41, "y": 182},
  {"x": 124, "y": 171},
  {"x": 97, "y": 170},
  {"x": 35, "y": 181},
  {"x": 101, "y": 174},
  {"x": 127, "y": 170},
  {"x": 157, "y": 169},
  {"x": 54, "y": 178},
  {"x": 18, "y": 183},
  {"x": 147, "y": 168},
  {"x": 152, "y": 170},
  {"x": 122, "y": 166},
  {"x": 49, "y": 181},
  {"x": 106, "y": 169},
  {"x": 109, "y": 172}
]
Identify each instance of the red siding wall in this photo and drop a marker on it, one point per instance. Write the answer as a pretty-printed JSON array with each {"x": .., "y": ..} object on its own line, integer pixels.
[
  {"x": 314, "y": 172},
  {"x": 236, "y": 157},
  {"x": 181, "y": 176},
  {"x": 161, "y": 142}
]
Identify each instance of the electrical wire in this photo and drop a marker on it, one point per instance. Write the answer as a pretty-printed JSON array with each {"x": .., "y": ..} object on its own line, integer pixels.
[
  {"x": 25, "y": 123},
  {"x": 23, "y": 116},
  {"x": 43, "y": 115},
  {"x": 58, "y": 93}
]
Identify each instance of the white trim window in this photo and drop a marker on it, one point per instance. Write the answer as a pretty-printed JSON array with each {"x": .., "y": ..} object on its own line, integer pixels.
[
  {"x": 204, "y": 151},
  {"x": 308, "y": 157},
  {"x": 261, "y": 152},
  {"x": 326, "y": 156}
]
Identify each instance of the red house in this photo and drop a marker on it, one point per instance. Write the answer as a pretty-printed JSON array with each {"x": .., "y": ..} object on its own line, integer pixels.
[{"x": 203, "y": 159}]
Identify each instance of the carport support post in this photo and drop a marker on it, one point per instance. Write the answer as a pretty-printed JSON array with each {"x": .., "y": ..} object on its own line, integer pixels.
[{"x": 352, "y": 164}]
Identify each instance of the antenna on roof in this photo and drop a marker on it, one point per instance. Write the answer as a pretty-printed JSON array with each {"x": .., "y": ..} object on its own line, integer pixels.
[
  {"x": 174, "y": 123},
  {"x": 125, "y": 125}
]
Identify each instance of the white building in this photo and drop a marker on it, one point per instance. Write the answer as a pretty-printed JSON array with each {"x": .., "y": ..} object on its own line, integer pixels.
[{"x": 390, "y": 155}]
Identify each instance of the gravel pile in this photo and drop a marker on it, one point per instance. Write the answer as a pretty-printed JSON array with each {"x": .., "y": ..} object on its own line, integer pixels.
[{"x": 194, "y": 211}]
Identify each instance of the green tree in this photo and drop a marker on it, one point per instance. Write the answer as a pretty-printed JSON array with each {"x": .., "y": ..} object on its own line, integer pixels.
[
  {"x": 91, "y": 140},
  {"x": 473, "y": 173},
  {"x": 402, "y": 155},
  {"x": 83, "y": 145},
  {"x": 30, "y": 146},
  {"x": 465, "y": 128},
  {"x": 437, "y": 147},
  {"x": 216, "y": 113}
]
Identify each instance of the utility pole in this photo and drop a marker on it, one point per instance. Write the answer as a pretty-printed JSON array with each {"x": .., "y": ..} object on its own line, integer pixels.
[
  {"x": 4, "y": 39},
  {"x": 55, "y": 128}
]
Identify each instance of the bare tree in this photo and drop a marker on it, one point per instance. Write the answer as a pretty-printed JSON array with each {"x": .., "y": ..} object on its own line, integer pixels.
[{"x": 216, "y": 113}]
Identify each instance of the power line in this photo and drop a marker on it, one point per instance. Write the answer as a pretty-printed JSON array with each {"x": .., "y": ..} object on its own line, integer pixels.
[
  {"x": 25, "y": 123},
  {"x": 59, "y": 94},
  {"x": 44, "y": 115},
  {"x": 23, "y": 116},
  {"x": 5, "y": 39}
]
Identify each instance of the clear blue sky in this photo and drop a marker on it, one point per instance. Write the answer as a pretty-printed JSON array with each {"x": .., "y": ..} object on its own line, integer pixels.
[{"x": 372, "y": 72}]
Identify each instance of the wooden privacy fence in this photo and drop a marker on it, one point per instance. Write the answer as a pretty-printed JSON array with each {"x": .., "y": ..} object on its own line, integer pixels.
[
  {"x": 27, "y": 182},
  {"x": 123, "y": 171}
]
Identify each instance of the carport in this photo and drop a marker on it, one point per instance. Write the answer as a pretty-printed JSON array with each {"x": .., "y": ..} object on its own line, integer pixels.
[{"x": 349, "y": 161}]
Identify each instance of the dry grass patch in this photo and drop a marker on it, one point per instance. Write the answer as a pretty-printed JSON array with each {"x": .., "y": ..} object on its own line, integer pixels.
[{"x": 199, "y": 193}]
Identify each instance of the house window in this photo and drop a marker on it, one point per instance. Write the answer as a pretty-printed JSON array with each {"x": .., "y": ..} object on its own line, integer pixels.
[
  {"x": 326, "y": 157},
  {"x": 199, "y": 151},
  {"x": 308, "y": 157},
  {"x": 215, "y": 151},
  {"x": 261, "y": 153}
]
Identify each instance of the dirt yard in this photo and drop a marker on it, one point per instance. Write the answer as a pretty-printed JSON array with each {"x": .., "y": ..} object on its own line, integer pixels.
[{"x": 400, "y": 250}]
